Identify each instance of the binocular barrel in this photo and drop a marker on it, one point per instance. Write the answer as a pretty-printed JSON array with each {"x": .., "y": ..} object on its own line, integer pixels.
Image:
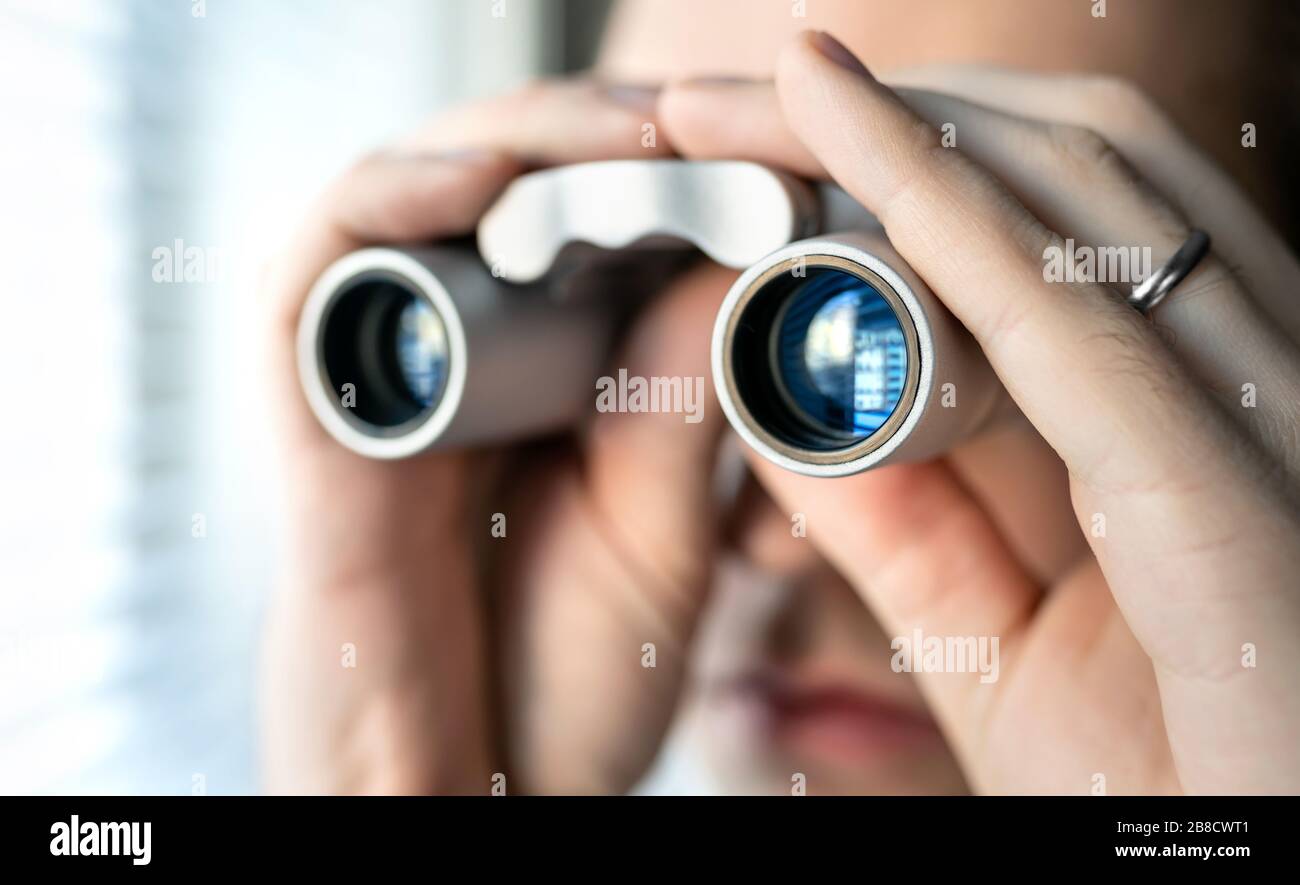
[
  {"x": 403, "y": 350},
  {"x": 830, "y": 356}
]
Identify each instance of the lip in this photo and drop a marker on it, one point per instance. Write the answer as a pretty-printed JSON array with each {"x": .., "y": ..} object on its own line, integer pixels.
[{"x": 831, "y": 719}]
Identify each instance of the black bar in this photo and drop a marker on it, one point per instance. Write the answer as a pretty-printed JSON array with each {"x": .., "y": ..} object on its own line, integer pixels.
[{"x": 331, "y": 834}]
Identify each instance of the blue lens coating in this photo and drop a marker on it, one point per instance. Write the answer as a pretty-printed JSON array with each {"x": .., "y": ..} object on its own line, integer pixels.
[
  {"x": 422, "y": 352},
  {"x": 841, "y": 354}
]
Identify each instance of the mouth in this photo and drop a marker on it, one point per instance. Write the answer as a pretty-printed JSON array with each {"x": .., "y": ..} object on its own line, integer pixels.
[{"x": 828, "y": 719}]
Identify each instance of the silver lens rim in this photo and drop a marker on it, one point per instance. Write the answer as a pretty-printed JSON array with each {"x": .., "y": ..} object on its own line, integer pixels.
[
  {"x": 421, "y": 432},
  {"x": 844, "y": 256}
]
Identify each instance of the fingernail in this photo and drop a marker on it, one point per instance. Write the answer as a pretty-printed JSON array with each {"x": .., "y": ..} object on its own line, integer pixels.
[
  {"x": 837, "y": 52},
  {"x": 638, "y": 98}
]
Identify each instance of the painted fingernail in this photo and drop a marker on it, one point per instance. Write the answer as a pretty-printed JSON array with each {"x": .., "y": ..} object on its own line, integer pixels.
[
  {"x": 837, "y": 52},
  {"x": 638, "y": 98}
]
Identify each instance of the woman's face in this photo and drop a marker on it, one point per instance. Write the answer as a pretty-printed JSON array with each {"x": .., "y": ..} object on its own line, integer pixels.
[{"x": 794, "y": 675}]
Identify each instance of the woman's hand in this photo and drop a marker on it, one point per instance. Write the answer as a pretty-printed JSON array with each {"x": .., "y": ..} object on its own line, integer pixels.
[
  {"x": 1163, "y": 657},
  {"x": 396, "y": 662}
]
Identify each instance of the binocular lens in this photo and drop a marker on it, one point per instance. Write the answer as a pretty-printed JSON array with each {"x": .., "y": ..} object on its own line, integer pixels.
[
  {"x": 422, "y": 351},
  {"x": 819, "y": 357},
  {"x": 840, "y": 354},
  {"x": 384, "y": 350}
]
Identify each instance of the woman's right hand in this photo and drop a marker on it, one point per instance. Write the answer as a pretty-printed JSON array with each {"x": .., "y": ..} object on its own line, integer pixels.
[
  {"x": 1141, "y": 659},
  {"x": 395, "y": 661}
]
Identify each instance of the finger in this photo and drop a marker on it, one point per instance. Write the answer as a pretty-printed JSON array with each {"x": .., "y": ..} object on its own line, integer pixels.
[
  {"x": 1141, "y": 133},
  {"x": 982, "y": 253},
  {"x": 755, "y": 129},
  {"x": 765, "y": 535},
  {"x": 1079, "y": 184},
  {"x": 924, "y": 556},
  {"x": 412, "y": 716},
  {"x": 389, "y": 197},
  {"x": 1080, "y": 187},
  {"x": 650, "y": 474},
  {"x": 1024, "y": 488},
  {"x": 550, "y": 122},
  {"x": 1147, "y": 138}
]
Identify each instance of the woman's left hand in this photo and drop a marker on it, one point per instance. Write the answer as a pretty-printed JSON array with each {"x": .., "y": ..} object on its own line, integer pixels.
[{"x": 1163, "y": 654}]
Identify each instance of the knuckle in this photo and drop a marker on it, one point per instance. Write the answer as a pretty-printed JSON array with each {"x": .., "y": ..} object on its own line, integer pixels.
[
  {"x": 1003, "y": 324},
  {"x": 920, "y": 164},
  {"x": 1117, "y": 95},
  {"x": 1121, "y": 105},
  {"x": 1081, "y": 146},
  {"x": 1087, "y": 155},
  {"x": 1213, "y": 280}
]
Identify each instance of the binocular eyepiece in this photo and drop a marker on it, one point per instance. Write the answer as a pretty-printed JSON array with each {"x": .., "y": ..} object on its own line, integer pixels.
[
  {"x": 829, "y": 356},
  {"x": 386, "y": 332},
  {"x": 819, "y": 357}
]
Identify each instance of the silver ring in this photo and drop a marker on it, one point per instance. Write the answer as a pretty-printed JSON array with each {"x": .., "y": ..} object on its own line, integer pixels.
[{"x": 1162, "y": 281}]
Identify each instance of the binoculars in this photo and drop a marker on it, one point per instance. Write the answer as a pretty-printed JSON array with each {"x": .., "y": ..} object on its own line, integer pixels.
[{"x": 829, "y": 354}]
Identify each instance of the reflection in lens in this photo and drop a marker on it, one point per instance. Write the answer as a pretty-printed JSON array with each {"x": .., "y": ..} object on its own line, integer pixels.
[
  {"x": 841, "y": 354},
  {"x": 421, "y": 351}
]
